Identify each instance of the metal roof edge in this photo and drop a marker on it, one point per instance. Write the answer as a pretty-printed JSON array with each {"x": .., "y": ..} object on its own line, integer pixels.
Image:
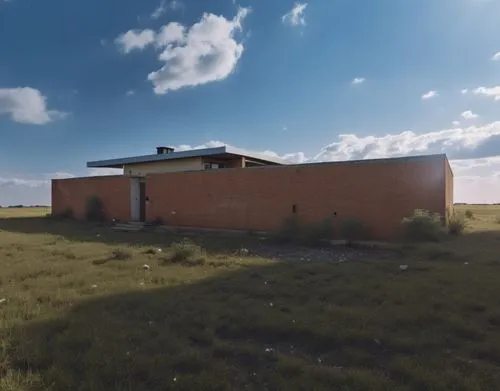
[
  {"x": 155, "y": 157},
  {"x": 259, "y": 156}
]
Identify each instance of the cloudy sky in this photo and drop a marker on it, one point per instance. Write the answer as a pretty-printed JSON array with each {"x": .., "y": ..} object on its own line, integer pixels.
[{"x": 308, "y": 81}]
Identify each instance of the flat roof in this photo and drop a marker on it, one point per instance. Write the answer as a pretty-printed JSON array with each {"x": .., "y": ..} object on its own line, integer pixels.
[{"x": 224, "y": 150}]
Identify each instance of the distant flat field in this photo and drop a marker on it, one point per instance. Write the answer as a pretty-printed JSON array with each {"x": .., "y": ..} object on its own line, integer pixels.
[
  {"x": 84, "y": 307},
  {"x": 23, "y": 212}
]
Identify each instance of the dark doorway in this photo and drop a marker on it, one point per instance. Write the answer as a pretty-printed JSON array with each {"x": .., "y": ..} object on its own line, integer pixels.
[{"x": 142, "y": 201}]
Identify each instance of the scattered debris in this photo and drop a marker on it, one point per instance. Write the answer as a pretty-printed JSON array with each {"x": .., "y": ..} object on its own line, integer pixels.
[
  {"x": 320, "y": 361},
  {"x": 271, "y": 304},
  {"x": 159, "y": 250},
  {"x": 269, "y": 350},
  {"x": 141, "y": 283},
  {"x": 466, "y": 263},
  {"x": 403, "y": 267},
  {"x": 243, "y": 251},
  {"x": 3, "y": 301},
  {"x": 94, "y": 286},
  {"x": 146, "y": 267},
  {"x": 174, "y": 379},
  {"x": 377, "y": 341}
]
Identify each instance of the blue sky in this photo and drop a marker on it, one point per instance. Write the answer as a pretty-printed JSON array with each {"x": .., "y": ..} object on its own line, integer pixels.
[{"x": 309, "y": 81}]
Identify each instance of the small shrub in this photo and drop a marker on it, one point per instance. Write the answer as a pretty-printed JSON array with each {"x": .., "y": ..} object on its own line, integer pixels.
[
  {"x": 497, "y": 219},
  {"x": 121, "y": 254},
  {"x": 423, "y": 225},
  {"x": 457, "y": 225},
  {"x": 185, "y": 252},
  {"x": 314, "y": 233},
  {"x": 353, "y": 229},
  {"x": 469, "y": 214},
  {"x": 94, "y": 209},
  {"x": 290, "y": 229}
]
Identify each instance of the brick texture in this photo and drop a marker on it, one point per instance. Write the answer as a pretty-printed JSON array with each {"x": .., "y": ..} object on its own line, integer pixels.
[
  {"x": 378, "y": 192},
  {"x": 448, "y": 189},
  {"x": 72, "y": 193}
]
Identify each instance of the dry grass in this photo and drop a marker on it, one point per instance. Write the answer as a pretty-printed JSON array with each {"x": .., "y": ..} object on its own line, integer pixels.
[
  {"x": 75, "y": 316},
  {"x": 23, "y": 212}
]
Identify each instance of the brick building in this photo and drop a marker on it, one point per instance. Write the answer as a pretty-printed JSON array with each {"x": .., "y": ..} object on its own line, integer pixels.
[{"x": 228, "y": 188}]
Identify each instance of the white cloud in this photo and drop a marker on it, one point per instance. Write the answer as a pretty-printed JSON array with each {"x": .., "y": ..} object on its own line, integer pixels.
[
  {"x": 134, "y": 39},
  {"x": 358, "y": 80},
  {"x": 22, "y": 191},
  {"x": 496, "y": 57},
  {"x": 27, "y": 105},
  {"x": 464, "y": 91},
  {"x": 455, "y": 123},
  {"x": 476, "y": 179},
  {"x": 59, "y": 175},
  {"x": 18, "y": 190},
  {"x": 206, "y": 52},
  {"x": 472, "y": 151},
  {"x": 429, "y": 95},
  {"x": 493, "y": 92},
  {"x": 469, "y": 115},
  {"x": 159, "y": 11},
  {"x": 130, "y": 93},
  {"x": 171, "y": 33},
  {"x": 165, "y": 6},
  {"x": 295, "y": 17},
  {"x": 103, "y": 171}
]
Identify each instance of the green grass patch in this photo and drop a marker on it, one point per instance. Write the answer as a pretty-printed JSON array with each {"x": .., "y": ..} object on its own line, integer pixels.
[{"x": 236, "y": 321}]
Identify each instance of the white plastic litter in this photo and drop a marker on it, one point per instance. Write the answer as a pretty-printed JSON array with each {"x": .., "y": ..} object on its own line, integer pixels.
[{"x": 403, "y": 267}]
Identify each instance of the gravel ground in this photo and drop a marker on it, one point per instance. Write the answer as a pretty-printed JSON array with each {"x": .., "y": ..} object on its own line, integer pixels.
[{"x": 313, "y": 254}]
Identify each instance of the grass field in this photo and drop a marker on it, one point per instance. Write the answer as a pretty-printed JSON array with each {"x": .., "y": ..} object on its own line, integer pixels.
[{"x": 79, "y": 310}]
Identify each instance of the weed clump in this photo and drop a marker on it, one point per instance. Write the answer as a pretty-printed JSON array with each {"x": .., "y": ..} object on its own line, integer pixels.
[
  {"x": 457, "y": 225},
  {"x": 94, "y": 209},
  {"x": 423, "y": 225},
  {"x": 353, "y": 229},
  {"x": 293, "y": 231},
  {"x": 468, "y": 214},
  {"x": 316, "y": 232},
  {"x": 121, "y": 254},
  {"x": 289, "y": 230},
  {"x": 185, "y": 252}
]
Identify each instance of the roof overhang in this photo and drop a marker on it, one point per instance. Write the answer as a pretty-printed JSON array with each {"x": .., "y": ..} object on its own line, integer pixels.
[{"x": 206, "y": 152}]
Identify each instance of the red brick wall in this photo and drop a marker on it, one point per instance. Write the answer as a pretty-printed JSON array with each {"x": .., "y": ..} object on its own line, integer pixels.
[
  {"x": 448, "y": 188},
  {"x": 72, "y": 193},
  {"x": 378, "y": 192}
]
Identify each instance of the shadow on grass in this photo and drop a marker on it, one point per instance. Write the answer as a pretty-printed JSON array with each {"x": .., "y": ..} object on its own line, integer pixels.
[
  {"x": 287, "y": 326},
  {"x": 86, "y": 232}
]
